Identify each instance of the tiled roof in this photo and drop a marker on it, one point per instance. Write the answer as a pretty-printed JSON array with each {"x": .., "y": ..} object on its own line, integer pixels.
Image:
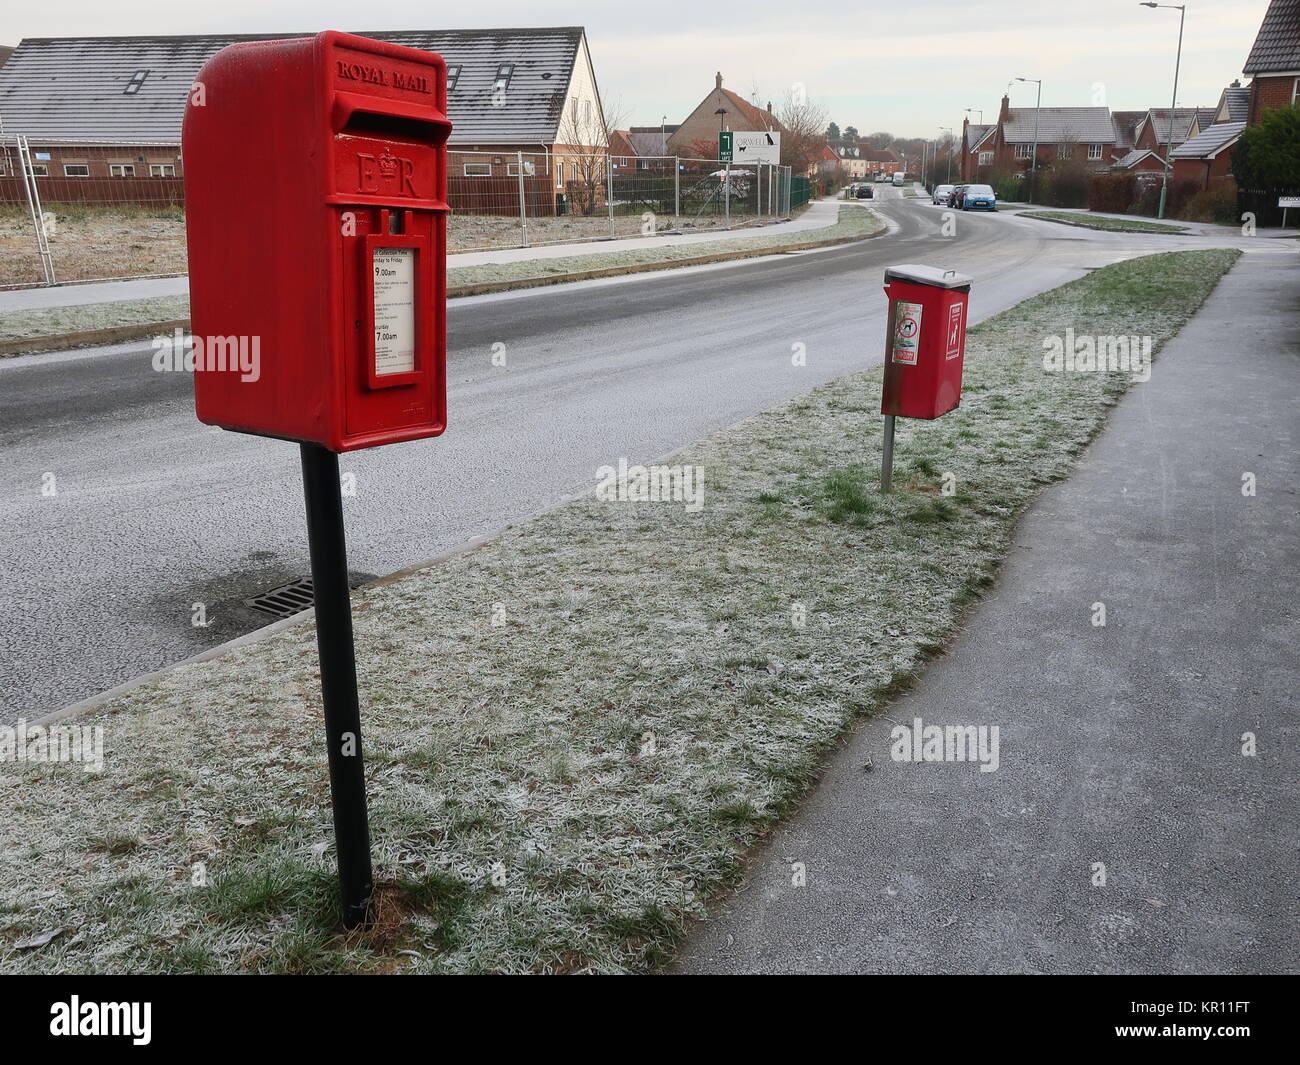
[
  {"x": 648, "y": 142},
  {"x": 1086, "y": 125},
  {"x": 1126, "y": 123},
  {"x": 1238, "y": 100},
  {"x": 1183, "y": 116},
  {"x": 1134, "y": 157},
  {"x": 1277, "y": 47},
  {"x": 976, "y": 133},
  {"x": 71, "y": 88},
  {"x": 1210, "y": 143},
  {"x": 756, "y": 116}
]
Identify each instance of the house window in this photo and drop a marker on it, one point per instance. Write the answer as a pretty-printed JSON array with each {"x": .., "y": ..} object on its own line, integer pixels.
[
  {"x": 478, "y": 169},
  {"x": 559, "y": 175},
  {"x": 1024, "y": 151},
  {"x": 1064, "y": 151},
  {"x": 121, "y": 170},
  {"x": 453, "y": 76},
  {"x": 513, "y": 168},
  {"x": 40, "y": 170},
  {"x": 986, "y": 158},
  {"x": 504, "y": 73},
  {"x": 134, "y": 85},
  {"x": 162, "y": 170},
  {"x": 1094, "y": 151},
  {"x": 1295, "y": 92},
  {"x": 76, "y": 170}
]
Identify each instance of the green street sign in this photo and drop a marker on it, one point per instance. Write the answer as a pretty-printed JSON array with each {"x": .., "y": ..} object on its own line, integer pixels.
[{"x": 724, "y": 146}]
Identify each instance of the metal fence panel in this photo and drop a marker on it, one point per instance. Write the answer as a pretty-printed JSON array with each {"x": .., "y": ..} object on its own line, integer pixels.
[{"x": 115, "y": 210}]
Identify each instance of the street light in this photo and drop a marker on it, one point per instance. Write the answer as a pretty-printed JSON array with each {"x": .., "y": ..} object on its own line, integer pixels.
[
  {"x": 950, "y": 138},
  {"x": 970, "y": 111},
  {"x": 663, "y": 135},
  {"x": 1182, "y": 15},
  {"x": 1033, "y": 162}
]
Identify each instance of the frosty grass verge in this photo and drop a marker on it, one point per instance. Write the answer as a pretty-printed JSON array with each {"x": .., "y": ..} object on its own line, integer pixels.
[
  {"x": 1102, "y": 222},
  {"x": 564, "y": 792},
  {"x": 853, "y": 221}
]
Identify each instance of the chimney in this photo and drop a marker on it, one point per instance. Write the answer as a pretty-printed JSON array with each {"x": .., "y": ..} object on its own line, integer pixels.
[
  {"x": 769, "y": 107},
  {"x": 1005, "y": 113},
  {"x": 717, "y": 81}
]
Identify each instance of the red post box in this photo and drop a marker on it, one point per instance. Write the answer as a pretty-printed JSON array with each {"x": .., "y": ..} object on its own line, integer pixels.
[
  {"x": 925, "y": 341},
  {"x": 315, "y": 189}
]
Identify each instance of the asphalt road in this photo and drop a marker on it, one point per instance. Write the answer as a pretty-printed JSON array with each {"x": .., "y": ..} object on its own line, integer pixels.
[
  {"x": 1126, "y": 828},
  {"x": 155, "y": 513}
]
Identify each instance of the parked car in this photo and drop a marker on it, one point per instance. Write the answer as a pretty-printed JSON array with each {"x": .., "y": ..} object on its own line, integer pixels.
[
  {"x": 899, "y": 178},
  {"x": 954, "y": 198},
  {"x": 942, "y": 195},
  {"x": 979, "y": 198},
  {"x": 866, "y": 192}
]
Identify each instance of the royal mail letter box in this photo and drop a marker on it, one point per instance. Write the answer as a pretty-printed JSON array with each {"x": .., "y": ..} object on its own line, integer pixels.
[
  {"x": 925, "y": 340},
  {"x": 315, "y": 204}
]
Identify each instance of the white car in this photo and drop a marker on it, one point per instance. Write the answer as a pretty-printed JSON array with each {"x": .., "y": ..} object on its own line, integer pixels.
[{"x": 942, "y": 195}]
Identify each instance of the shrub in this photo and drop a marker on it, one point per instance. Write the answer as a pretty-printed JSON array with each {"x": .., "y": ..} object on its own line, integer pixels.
[
  {"x": 1113, "y": 193},
  {"x": 1218, "y": 203},
  {"x": 1065, "y": 186},
  {"x": 1007, "y": 186}
]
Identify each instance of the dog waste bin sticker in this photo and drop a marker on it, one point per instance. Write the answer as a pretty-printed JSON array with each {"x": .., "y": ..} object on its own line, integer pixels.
[{"x": 907, "y": 331}]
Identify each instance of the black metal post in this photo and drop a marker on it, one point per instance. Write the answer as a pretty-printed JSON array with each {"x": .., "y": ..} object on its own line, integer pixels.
[
  {"x": 338, "y": 679},
  {"x": 887, "y": 456}
]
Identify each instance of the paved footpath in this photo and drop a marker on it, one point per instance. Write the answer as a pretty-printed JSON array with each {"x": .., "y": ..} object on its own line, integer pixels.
[{"x": 1119, "y": 744}]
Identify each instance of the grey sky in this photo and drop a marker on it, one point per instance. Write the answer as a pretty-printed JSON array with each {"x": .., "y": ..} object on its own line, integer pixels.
[{"x": 904, "y": 67}]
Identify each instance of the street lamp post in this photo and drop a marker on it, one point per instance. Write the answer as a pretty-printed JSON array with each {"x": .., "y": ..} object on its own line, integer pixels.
[
  {"x": 1178, "y": 60},
  {"x": 972, "y": 111},
  {"x": 949, "y": 131},
  {"x": 1033, "y": 161}
]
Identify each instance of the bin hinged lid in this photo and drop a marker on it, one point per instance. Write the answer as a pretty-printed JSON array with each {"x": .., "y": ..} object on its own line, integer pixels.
[{"x": 927, "y": 275}]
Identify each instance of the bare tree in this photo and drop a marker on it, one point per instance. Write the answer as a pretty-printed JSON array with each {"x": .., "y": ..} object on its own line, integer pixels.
[
  {"x": 582, "y": 145},
  {"x": 804, "y": 137}
]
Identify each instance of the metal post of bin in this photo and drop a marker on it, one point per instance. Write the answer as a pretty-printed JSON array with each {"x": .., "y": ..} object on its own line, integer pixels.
[
  {"x": 338, "y": 678},
  {"x": 677, "y": 189},
  {"x": 887, "y": 459}
]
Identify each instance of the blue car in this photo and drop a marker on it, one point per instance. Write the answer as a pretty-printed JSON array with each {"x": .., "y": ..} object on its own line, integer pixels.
[{"x": 979, "y": 198}]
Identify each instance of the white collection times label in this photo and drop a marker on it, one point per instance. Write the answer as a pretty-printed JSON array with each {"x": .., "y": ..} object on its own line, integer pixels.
[{"x": 394, "y": 302}]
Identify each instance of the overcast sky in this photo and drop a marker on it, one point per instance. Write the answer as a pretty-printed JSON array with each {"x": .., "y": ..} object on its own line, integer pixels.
[{"x": 903, "y": 67}]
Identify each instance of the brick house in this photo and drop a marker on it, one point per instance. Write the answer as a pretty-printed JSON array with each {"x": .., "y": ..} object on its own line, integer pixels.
[
  {"x": 1274, "y": 62},
  {"x": 702, "y": 126},
  {"x": 1274, "y": 68},
  {"x": 103, "y": 114},
  {"x": 1065, "y": 135}
]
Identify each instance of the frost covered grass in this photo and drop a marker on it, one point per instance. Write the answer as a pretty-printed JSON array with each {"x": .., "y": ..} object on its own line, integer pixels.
[
  {"x": 1114, "y": 225},
  {"x": 853, "y": 221},
  {"x": 574, "y": 732},
  {"x": 60, "y": 321}
]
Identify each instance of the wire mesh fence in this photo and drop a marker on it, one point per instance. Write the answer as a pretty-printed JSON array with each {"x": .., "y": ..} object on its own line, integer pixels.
[{"x": 107, "y": 211}]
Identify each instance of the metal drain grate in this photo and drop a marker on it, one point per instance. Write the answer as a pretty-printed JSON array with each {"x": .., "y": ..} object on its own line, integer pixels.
[{"x": 284, "y": 602}]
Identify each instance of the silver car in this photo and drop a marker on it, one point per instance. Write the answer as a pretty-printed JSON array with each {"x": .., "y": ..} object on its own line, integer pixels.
[{"x": 942, "y": 195}]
